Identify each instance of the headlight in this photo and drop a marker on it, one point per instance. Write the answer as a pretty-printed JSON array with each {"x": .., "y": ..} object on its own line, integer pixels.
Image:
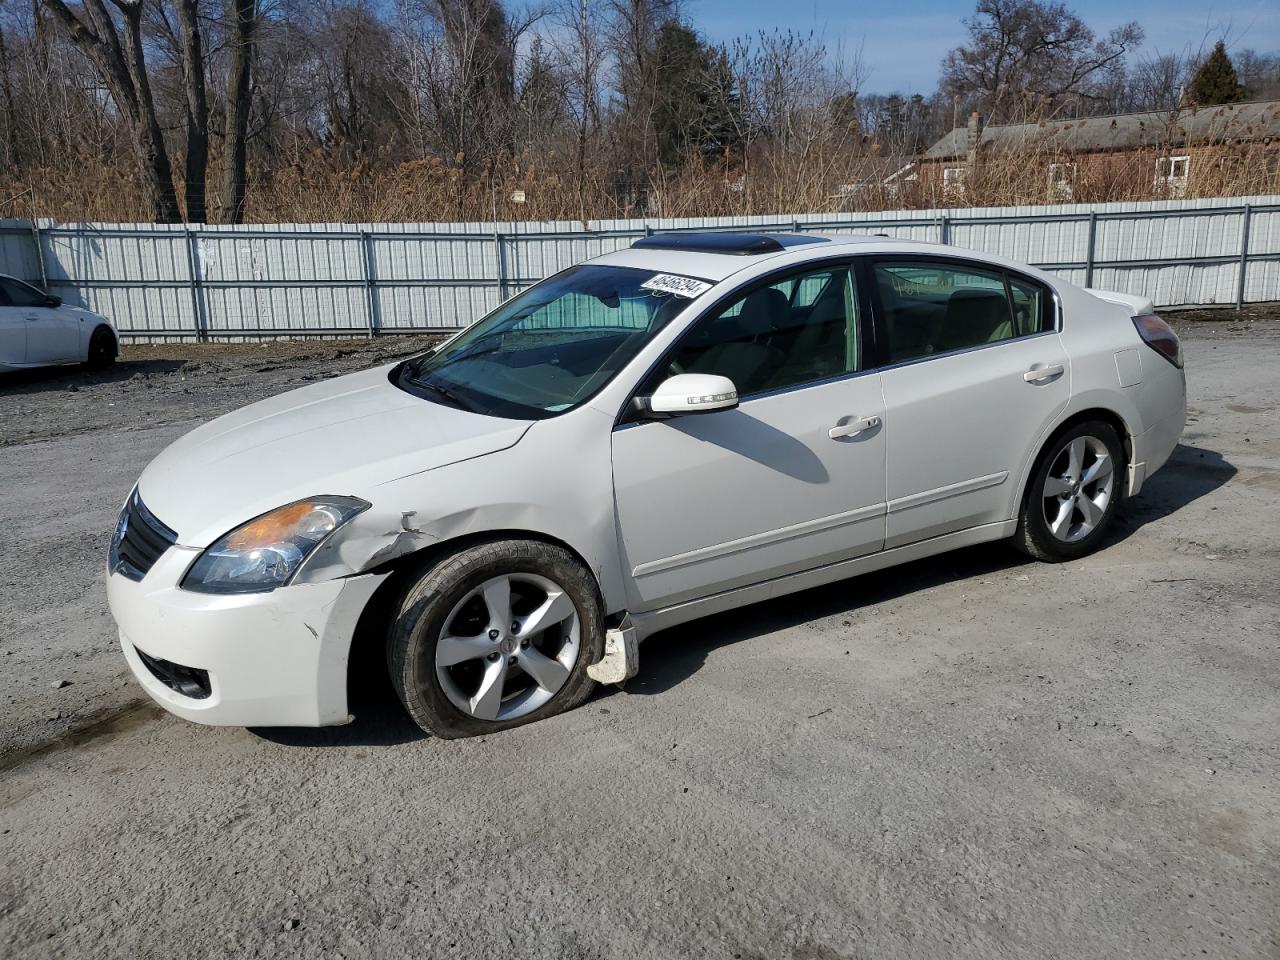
[{"x": 265, "y": 552}]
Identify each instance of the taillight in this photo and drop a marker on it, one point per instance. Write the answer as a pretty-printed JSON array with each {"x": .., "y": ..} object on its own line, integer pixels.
[{"x": 1159, "y": 336}]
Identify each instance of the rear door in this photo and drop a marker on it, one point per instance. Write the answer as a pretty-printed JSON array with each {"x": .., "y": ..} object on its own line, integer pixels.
[
  {"x": 786, "y": 482},
  {"x": 53, "y": 333},
  {"x": 974, "y": 372}
]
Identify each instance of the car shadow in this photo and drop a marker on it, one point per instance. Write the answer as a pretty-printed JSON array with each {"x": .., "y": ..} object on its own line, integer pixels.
[
  {"x": 672, "y": 656},
  {"x": 1190, "y": 473},
  {"x": 44, "y": 379}
]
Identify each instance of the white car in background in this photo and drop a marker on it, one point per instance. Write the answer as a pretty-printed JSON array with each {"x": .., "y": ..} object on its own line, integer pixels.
[
  {"x": 39, "y": 330},
  {"x": 695, "y": 423}
]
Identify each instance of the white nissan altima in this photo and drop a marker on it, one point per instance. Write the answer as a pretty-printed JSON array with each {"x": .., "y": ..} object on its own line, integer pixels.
[{"x": 692, "y": 424}]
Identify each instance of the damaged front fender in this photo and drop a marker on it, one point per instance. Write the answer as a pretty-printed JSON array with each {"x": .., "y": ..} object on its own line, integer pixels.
[{"x": 372, "y": 539}]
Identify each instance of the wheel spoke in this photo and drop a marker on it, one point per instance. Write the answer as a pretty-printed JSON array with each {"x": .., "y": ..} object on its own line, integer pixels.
[
  {"x": 454, "y": 650},
  {"x": 1100, "y": 469},
  {"x": 555, "y": 609},
  {"x": 497, "y": 600},
  {"x": 1091, "y": 511},
  {"x": 548, "y": 673},
  {"x": 1056, "y": 487},
  {"x": 488, "y": 698},
  {"x": 1062, "y": 522},
  {"x": 1075, "y": 457}
]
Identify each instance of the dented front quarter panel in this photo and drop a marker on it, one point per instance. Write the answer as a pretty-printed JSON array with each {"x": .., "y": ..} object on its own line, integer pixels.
[{"x": 556, "y": 482}]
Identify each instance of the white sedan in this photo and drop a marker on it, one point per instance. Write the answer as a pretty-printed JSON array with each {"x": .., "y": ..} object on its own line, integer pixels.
[
  {"x": 692, "y": 424},
  {"x": 39, "y": 330}
]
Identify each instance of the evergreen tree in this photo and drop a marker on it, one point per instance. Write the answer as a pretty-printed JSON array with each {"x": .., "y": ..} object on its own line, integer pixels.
[{"x": 1216, "y": 80}]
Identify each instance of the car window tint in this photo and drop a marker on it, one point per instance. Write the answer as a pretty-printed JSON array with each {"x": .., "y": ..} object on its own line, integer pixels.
[
  {"x": 16, "y": 294},
  {"x": 1028, "y": 307},
  {"x": 934, "y": 308},
  {"x": 795, "y": 331}
]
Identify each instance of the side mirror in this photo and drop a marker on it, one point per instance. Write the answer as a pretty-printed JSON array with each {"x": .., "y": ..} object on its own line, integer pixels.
[
  {"x": 693, "y": 393},
  {"x": 51, "y": 301}
]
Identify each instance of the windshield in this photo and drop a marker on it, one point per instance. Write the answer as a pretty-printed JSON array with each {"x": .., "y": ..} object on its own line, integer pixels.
[{"x": 551, "y": 347}]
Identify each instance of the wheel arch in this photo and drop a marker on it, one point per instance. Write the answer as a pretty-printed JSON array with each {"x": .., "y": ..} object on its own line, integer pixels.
[
  {"x": 98, "y": 327},
  {"x": 1106, "y": 415},
  {"x": 366, "y": 661}
]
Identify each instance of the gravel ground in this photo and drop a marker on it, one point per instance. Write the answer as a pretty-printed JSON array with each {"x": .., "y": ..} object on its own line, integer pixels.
[{"x": 970, "y": 756}]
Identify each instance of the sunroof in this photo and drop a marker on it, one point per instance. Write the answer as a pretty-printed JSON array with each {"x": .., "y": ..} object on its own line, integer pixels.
[{"x": 738, "y": 244}]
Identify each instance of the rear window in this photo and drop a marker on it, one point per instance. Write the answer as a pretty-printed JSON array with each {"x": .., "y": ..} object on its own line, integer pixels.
[{"x": 932, "y": 308}]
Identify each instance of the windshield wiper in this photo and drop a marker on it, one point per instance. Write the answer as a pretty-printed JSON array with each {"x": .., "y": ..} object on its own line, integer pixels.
[{"x": 447, "y": 394}]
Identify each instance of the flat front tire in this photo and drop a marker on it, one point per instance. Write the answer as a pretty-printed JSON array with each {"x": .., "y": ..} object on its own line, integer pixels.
[
  {"x": 1073, "y": 493},
  {"x": 498, "y": 635}
]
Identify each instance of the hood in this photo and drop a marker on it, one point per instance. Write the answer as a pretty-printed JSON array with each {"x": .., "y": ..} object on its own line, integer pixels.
[{"x": 345, "y": 436}]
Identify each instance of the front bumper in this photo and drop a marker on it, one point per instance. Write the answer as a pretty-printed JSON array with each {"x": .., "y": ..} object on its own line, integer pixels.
[{"x": 272, "y": 659}]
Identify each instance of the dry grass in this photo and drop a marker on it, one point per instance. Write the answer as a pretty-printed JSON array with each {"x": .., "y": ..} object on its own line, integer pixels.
[{"x": 317, "y": 188}]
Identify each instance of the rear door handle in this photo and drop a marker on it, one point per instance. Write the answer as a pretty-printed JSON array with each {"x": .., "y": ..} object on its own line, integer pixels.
[
  {"x": 1042, "y": 373},
  {"x": 854, "y": 427}
]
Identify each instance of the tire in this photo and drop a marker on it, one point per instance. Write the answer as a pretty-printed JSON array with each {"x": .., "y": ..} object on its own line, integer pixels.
[
  {"x": 1065, "y": 515},
  {"x": 446, "y": 662},
  {"x": 102, "y": 349}
]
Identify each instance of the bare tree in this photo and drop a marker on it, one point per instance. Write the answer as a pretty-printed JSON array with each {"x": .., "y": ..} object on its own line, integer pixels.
[
  {"x": 116, "y": 50},
  {"x": 196, "y": 110},
  {"x": 1026, "y": 56},
  {"x": 244, "y": 26}
]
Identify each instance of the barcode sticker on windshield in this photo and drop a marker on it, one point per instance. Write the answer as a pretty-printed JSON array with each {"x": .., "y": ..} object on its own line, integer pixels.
[{"x": 686, "y": 287}]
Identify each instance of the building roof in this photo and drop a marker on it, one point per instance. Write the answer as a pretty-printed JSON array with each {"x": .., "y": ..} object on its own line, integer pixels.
[{"x": 1128, "y": 131}]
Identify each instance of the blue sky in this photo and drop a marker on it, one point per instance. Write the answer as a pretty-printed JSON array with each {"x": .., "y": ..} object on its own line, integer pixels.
[{"x": 900, "y": 51}]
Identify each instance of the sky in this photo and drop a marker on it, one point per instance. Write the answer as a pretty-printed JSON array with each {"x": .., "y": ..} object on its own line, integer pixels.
[{"x": 900, "y": 51}]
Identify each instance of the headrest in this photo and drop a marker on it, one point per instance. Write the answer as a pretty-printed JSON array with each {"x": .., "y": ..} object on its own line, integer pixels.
[{"x": 764, "y": 311}]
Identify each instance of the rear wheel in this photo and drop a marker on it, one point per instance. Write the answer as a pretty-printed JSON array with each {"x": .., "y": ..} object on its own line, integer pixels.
[
  {"x": 1072, "y": 497},
  {"x": 496, "y": 636},
  {"x": 102, "y": 349}
]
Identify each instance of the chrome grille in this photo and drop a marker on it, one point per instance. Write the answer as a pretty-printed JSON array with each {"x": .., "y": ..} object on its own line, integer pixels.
[{"x": 139, "y": 541}]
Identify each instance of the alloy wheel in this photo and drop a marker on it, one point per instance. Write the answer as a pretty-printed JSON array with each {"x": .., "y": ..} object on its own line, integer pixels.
[
  {"x": 508, "y": 646},
  {"x": 1078, "y": 488}
]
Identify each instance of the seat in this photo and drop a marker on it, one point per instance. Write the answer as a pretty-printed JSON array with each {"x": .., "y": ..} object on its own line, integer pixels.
[
  {"x": 744, "y": 355},
  {"x": 973, "y": 317}
]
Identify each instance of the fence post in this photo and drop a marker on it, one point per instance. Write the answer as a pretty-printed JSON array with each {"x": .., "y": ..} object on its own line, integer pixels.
[
  {"x": 35, "y": 238},
  {"x": 944, "y": 229},
  {"x": 502, "y": 266},
  {"x": 1089, "y": 253},
  {"x": 197, "y": 297},
  {"x": 1244, "y": 254},
  {"x": 370, "y": 281}
]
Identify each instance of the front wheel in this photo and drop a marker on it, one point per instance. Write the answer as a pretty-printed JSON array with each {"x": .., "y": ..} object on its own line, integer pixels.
[
  {"x": 496, "y": 636},
  {"x": 1073, "y": 493},
  {"x": 102, "y": 349}
]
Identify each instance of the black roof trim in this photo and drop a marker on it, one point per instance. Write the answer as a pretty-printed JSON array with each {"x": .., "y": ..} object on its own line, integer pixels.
[{"x": 736, "y": 244}]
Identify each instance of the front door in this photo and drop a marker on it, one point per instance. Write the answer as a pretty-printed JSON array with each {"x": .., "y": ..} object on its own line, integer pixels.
[
  {"x": 975, "y": 372},
  {"x": 53, "y": 333},
  {"x": 792, "y": 479}
]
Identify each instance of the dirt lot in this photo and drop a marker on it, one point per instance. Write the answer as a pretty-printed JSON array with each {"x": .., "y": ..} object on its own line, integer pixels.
[{"x": 971, "y": 756}]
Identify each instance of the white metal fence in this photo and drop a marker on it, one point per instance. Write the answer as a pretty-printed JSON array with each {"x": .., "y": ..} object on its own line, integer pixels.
[{"x": 203, "y": 282}]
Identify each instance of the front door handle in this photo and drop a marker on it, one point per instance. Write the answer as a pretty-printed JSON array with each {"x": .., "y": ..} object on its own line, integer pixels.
[
  {"x": 1044, "y": 372},
  {"x": 853, "y": 427}
]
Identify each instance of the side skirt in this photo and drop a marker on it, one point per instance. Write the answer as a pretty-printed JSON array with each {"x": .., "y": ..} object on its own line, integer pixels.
[{"x": 650, "y": 622}]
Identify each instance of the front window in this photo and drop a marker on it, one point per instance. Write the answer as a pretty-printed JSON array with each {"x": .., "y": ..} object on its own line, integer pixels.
[
  {"x": 797, "y": 330},
  {"x": 15, "y": 293},
  {"x": 553, "y": 346}
]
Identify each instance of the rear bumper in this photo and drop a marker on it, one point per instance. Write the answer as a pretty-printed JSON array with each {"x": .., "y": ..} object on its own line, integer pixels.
[
  {"x": 266, "y": 659},
  {"x": 1153, "y": 446}
]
